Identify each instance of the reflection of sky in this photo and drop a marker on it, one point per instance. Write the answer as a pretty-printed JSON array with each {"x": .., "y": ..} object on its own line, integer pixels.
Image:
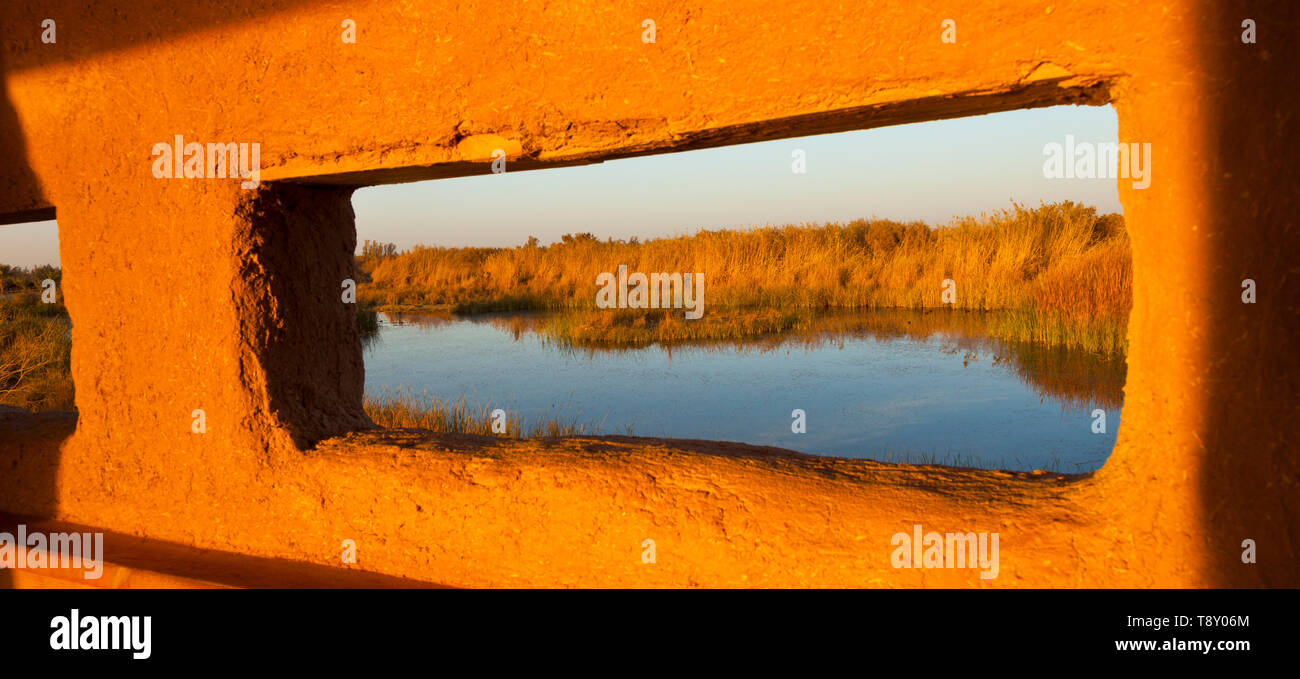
[{"x": 870, "y": 398}]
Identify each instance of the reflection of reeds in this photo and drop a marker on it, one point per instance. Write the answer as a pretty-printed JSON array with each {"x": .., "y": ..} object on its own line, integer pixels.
[
  {"x": 627, "y": 328},
  {"x": 1078, "y": 379},
  {"x": 367, "y": 319},
  {"x": 637, "y": 327},
  {"x": 402, "y": 409},
  {"x": 1065, "y": 267}
]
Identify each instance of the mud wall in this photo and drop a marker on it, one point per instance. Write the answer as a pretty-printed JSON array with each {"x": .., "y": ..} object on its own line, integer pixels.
[{"x": 199, "y": 294}]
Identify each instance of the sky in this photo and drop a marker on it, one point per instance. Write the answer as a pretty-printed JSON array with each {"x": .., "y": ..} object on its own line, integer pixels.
[{"x": 932, "y": 171}]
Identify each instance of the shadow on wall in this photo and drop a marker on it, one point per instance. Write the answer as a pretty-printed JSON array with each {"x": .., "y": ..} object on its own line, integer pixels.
[
  {"x": 30, "y": 443},
  {"x": 1251, "y": 470},
  {"x": 17, "y": 180},
  {"x": 30, "y": 452},
  {"x": 120, "y": 25}
]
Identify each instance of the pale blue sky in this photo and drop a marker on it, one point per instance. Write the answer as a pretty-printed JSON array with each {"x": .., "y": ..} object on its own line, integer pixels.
[{"x": 930, "y": 171}]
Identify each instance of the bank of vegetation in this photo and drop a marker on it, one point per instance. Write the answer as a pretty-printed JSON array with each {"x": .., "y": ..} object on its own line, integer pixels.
[
  {"x": 35, "y": 341},
  {"x": 1063, "y": 269}
]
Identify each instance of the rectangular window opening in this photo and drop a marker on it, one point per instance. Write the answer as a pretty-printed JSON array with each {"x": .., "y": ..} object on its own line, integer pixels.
[{"x": 937, "y": 293}]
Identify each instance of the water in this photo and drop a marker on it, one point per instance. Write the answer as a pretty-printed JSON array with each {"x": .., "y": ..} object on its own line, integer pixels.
[{"x": 944, "y": 395}]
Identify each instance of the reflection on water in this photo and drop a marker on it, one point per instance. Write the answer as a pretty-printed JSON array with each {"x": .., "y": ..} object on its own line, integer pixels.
[{"x": 888, "y": 385}]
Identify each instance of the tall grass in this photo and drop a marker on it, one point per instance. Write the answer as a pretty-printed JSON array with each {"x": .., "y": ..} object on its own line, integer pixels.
[
  {"x": 35, "y": 354},
  {"x": 1067, "y": 268},
  {"x": 402, "y": 408}
]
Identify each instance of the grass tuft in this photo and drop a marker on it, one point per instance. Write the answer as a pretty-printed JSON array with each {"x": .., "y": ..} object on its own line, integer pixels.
[{"x": 403, "y": 409}]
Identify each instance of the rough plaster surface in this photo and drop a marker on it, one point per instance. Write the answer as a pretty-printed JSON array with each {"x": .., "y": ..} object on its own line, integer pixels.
[{"x": 197, "y": 294}]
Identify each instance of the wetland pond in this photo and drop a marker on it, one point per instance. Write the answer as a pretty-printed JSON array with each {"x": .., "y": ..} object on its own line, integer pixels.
[{"x": 895, "y": 386}]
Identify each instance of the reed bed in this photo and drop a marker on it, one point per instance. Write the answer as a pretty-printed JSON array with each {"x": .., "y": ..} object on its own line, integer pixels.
[{"x": 1064, "y": 266}]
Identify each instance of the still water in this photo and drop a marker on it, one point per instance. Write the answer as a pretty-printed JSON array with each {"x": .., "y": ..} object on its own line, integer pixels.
[{"x": 922, "y": 393}]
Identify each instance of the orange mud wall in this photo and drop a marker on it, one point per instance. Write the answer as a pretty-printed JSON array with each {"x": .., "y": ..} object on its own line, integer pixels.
[{"x": 197, "y": 294}]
